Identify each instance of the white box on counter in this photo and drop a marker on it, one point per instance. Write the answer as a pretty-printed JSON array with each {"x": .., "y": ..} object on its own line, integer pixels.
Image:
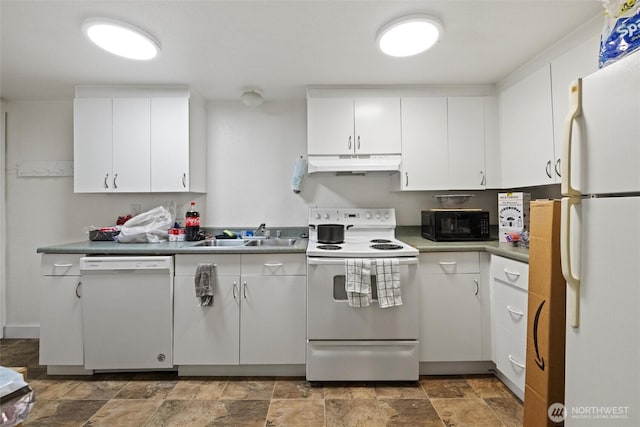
[{"x": 513, "y": 213}]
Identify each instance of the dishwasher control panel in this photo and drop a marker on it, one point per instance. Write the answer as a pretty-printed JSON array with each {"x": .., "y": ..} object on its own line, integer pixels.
[{"x": 106, "y": 263}]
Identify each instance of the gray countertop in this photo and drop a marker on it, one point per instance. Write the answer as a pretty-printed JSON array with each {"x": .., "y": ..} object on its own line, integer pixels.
[
  {"x": 412, "y": 236},
  {"x": 409, "y": 235}
]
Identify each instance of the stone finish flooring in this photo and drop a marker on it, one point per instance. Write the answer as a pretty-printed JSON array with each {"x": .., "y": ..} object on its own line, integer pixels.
[{"x": 164, "y": 399}]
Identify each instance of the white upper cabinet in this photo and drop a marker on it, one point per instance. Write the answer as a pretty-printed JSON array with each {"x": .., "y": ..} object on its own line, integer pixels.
[
  {"x": 466, "y": 129},
  {"x": 353, "y": 126},
  {"x": 138, "y": 140},
  {"x": 93, "y": 144},
  {"x": 443, "y": 143},
  {"x": 526, "y": 131},
  {"x": 170, "y": 137},
  {"x": 131, "y": 145},
  {"x": 425, "y": 156},
  {"x": 580, "y": 61}
]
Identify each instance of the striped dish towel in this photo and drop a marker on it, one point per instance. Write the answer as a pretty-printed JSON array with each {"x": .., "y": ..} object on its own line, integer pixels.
[
  {"x": 388, "y": 282},
  {"x": 358, "y": 281}
]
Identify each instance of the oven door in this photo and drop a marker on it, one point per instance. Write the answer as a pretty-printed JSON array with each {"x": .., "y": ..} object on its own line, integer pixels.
[{"x": 329, "y": 316}]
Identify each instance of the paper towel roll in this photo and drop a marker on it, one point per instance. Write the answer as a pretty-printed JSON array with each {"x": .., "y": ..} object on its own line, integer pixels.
[{"x": 299, "y": 170}]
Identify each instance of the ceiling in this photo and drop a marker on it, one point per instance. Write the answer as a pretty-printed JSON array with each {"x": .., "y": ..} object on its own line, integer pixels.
[{"x": 218, "y": 48}]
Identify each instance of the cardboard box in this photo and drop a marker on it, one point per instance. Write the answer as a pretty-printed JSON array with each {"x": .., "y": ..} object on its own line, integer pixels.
[
  {"x": 513, "y": 213},
  {"x": 546, "y": 325}
]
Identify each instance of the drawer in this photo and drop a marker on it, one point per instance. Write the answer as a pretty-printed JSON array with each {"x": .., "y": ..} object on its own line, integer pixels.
[
  {"x": 450, "y": 262},
  {"x": 509, "y": 307},
  {"x": 274, "y": 264},
  {"x": 510, "y": 356},
  {"x": 226, "y": 265},
  {"x": 60, "y": 264},
  {"x": 506, "y": 270}
]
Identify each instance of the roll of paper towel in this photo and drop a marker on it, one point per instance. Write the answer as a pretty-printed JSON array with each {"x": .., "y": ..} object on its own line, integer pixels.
[{"x": 299, "y": 169}]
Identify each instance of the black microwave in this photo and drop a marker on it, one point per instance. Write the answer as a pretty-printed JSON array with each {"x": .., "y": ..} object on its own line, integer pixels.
[{"x": 455, "y": 225}]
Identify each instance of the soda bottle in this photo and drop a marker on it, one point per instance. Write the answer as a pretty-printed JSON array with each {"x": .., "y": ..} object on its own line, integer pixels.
[{"x": 192, "y": 223}]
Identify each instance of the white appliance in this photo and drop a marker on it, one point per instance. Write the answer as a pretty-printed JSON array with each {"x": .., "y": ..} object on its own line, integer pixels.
[
  {"x": 600, "y": 247},
  {"x": 359, "y": 343},
  {"x": 127, "y": 312}
]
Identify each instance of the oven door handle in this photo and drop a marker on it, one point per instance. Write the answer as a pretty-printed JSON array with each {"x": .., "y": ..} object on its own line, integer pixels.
[{"x": 340, "y": 261}]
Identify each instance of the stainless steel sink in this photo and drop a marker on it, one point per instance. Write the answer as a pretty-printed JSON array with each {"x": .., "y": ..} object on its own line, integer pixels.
[
  {"x": 271, "y": 242},
  {"x": 222, "y": 242}
]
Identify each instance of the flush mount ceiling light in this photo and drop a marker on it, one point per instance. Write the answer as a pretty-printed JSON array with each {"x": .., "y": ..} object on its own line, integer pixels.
[
  {"x": 120, "y": 38},
  {"x": 408, "y": 35},
  {"x": 252, "y": 98}
]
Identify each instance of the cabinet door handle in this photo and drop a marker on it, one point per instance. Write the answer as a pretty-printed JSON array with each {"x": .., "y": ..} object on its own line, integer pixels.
[
  {"x": 477, "y": 286},
  {"x": 514, "y": 311},
  {"x": 279, "y": 264},
  {"x": 511, "y": 273},
  {"x": 406, "y": 179},
  {"x": 184, "y": 180},
  {"x": 548, "y": 169},
  {"x": 78, "y": 294},
  {"x": 512, "y": 360},
  {"x": 63, "y": 265},
  {"x": 235, "y": 286},
  {"x": 358, "y": 142},
  {"x": 106, "y": 185},
  {"x": 244, "y": 289},
  {"x": 558, "y": 168},
  {"x": 115, "y": 177},
  {"x": 349, "y": 144},
  {"x": 483, "y": 178}
]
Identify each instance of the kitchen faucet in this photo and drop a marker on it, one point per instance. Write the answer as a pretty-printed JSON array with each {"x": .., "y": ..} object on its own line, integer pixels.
[{"x": 261, "y": 231}]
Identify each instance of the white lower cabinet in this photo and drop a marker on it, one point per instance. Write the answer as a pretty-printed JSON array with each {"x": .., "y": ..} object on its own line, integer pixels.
[
  {"x": 257, "y": 318},
  {"x": 61, "y": 311},
  {"x": 509, "y": 283},
  {"x": 451, "y": 319}
]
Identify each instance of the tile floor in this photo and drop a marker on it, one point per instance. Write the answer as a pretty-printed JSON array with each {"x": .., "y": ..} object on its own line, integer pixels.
[{"x": 164, "y": 399}]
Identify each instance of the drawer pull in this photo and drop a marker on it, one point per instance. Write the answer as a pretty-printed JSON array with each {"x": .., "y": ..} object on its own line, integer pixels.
[
  {"x": 512, "y": 360},
  {"x": 511, "y": 273},
  {"x": 279, "y": 264},
  {"x": 514, "y": 311},
  {"x": 447, "y": 263},
  {"x": 63, "y": 265}
]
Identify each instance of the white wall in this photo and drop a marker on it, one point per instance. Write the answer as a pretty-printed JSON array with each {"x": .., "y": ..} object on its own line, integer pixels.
[
  {"x": 250, "y": 163},
  {"x": 251, "y": 154},
  {"x": 44, "y": 211}
]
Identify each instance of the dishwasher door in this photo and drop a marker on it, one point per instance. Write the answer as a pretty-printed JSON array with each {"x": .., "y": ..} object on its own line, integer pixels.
[{"x": 127, "y": 312}]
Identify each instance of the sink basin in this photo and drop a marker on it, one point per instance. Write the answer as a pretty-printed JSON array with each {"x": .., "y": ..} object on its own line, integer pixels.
[
  {"x": 222, "y": 242},
  {"x": 271, "y": 242}
]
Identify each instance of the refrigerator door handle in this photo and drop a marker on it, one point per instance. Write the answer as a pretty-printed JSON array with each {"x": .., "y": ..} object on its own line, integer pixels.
[
  {"x": 573, "y": 281},
  {"x": 575, "y": 110}
]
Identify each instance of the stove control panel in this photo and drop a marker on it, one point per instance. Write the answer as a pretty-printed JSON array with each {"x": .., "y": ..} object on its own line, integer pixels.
[{"x": 354, "y": 216}]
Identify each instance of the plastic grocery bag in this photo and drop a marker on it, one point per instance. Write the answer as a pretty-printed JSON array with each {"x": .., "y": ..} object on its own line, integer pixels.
[
  {"x": 16, "y": 398},
  {"x": 621, "y": 32},
  {"x": 148, "y": 227}
]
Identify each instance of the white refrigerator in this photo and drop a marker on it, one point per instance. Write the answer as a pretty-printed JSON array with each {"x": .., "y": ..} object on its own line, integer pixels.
[{"x": 600, "y": 247}]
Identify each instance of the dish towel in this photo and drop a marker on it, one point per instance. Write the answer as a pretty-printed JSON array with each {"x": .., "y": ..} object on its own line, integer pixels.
[
  {"x": 358, "y": 281},
  {"x": 205, "y": 283},
  {"x": 388, "y": 282}
]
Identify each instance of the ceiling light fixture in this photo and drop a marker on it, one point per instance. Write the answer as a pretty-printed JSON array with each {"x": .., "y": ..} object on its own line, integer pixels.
[
  {"x": 408, "y": 35},
  {"x": 252, "y": 98},
  {"x": 121, "y": 39}
]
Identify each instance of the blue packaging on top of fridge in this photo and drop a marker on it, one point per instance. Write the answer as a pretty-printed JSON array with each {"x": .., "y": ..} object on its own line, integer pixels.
[{"x": 621, "y": 33}]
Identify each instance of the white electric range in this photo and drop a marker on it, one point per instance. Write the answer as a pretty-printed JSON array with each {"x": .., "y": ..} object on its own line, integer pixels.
[{"x": 371, "y": 343}]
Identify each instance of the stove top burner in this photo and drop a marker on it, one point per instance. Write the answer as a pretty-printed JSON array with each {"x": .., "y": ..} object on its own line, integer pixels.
[
  {"x": 380, "y": 241},
  {"x": 386, "y": 246},
  {"x": 329, "y": 247}
]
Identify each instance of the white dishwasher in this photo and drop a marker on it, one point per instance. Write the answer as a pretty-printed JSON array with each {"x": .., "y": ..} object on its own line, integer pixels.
[{"x": 127, "y": 312}]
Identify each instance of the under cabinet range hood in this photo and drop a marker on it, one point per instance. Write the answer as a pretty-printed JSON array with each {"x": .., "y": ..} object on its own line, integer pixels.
[{"x": 354, "y": 164}]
